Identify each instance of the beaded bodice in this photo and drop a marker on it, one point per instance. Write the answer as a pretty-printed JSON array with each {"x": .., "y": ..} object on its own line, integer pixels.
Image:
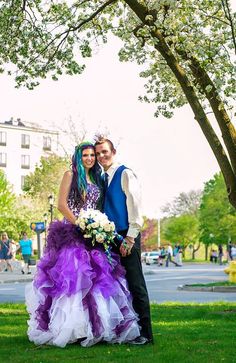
[{"x": 91, "y": 200}]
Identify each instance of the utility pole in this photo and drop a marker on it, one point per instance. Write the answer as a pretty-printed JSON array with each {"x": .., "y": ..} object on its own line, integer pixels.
[{"x": 158, "y": 232}]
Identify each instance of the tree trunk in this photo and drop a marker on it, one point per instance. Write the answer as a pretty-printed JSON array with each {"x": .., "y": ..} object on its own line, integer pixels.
[
  {"x": 227, "y": 128},
  {"x": 195, "y": 250},
  {"x": 206, "y": 252}
]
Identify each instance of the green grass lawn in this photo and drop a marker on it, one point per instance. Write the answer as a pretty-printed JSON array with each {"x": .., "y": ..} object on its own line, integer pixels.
[
  {"x": 220, "y": 283},
  {"x": 190, "y": 333}
]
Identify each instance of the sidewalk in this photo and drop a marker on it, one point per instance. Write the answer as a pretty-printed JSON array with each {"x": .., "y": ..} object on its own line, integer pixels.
[{"x": 16, "y": 275}]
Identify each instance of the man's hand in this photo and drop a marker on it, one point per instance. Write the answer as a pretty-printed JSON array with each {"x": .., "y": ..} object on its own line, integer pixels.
[{"x": 126, "y": 246}]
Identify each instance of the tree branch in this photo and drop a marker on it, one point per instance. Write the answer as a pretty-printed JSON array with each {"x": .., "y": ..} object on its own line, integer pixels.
[
  {"x": 228, "y": 16},
  {"x": 65, "y": 33},
  {"x": 92, "y": 16}
]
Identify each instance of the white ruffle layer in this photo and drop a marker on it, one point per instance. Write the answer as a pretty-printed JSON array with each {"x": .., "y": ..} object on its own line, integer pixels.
[{"x": 69, "y": 320}]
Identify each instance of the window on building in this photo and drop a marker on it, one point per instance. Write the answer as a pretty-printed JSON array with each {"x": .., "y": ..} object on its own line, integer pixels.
[
  {"x": 25, "y": 141},
  {"x": 3, "y": 159},
  {"x": 3, "y": 138},
  {"x": 22, "y": 181},
  {"x": 47, "y": 143},
  {"x": 25, "y": 161}
]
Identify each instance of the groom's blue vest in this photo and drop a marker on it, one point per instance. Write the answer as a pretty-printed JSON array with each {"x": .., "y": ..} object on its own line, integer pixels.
[{"x": 115, "y": 202}]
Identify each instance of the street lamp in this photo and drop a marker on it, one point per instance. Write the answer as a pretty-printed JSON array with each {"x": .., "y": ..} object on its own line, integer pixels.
[
  {"x": 45, "y": 216},
  {"x": 158, "y": 232},
  {"x": 51, "y": 202}
]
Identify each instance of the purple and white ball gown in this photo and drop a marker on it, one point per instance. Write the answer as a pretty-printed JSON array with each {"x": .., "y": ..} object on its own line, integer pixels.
[{"x": 76, "y": 293}]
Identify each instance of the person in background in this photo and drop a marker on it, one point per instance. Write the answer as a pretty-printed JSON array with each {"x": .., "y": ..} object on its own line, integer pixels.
[
  {"x": 177, "y": 253},
  {"x": 220, "y": 254},
  {"x": 233, "y": 252},
  {"x": 169, "y": 253},
  {"x": 180, "y": 261},
  {"x": 25, "y": 244},
  {"x": 13, "y": 250},
  {"x": 229, "y": 247},
  {"x": 5, "y": 251},
  {"x": 213, "y": 256},
  {"x": 162, "y": 255}
]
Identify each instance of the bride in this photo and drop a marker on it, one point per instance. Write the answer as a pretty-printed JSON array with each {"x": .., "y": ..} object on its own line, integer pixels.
[{"x": 78, "y": 293}]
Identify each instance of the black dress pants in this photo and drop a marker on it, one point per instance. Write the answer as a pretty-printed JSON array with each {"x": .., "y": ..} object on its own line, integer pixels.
[{"x": 137, "y": 286}]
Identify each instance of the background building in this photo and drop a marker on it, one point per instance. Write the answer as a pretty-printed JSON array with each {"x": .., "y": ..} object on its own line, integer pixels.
[{"x": 21, "y": 147}]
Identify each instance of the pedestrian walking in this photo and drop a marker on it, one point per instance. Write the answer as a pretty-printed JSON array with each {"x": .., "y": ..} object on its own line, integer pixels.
[
  {"x": 5, "y": 252},
  {"x": 25, "y": 244},
  {"x": 169, "y": 252}
]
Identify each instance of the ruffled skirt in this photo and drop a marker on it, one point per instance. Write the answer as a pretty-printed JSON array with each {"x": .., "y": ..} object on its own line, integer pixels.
[{"x": 78, "y": 295}]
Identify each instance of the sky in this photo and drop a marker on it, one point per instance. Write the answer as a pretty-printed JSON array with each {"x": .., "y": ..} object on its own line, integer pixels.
[{"x": 169, "y": 156}]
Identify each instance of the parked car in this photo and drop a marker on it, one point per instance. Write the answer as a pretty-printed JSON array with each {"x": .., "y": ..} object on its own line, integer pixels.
[{"x": 152, "y": 257}]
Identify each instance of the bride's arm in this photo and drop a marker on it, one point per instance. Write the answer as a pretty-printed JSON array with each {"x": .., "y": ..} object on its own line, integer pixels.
[{"x": 63, "y": 196}]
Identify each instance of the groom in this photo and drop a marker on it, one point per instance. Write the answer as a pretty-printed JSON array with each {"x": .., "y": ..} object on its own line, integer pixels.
[{"x": 122, "y": 206}]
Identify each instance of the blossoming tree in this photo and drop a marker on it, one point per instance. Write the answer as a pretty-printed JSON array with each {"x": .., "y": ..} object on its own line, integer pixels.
[{"x": 187, "y": 48}]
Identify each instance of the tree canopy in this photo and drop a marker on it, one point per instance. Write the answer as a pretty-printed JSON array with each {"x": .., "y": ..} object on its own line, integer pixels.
[
  {"x": 217, "y": 217},
  {"x": 182, "y": 229},
  {"x": 13, "y": 217},
  {"x": 184, "y": 203},
  {"x": 43, "y": 182},
  {"x": 7, "y": 198},
  {"x": 46, "y": 178},
  {"x": 187, "y": 49}
]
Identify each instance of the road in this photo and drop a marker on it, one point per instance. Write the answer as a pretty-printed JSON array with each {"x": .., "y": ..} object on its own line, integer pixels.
[{"x": 162, "y": 284}]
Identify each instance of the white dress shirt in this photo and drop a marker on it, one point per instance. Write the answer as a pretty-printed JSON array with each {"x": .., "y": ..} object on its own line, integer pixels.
[{"x": 131, "y": 188}]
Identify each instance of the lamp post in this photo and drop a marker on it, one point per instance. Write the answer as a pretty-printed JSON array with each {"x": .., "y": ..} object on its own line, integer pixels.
[
  {"x": 158, "y": 232},
  {"x": 51, "y": 202},
  {"x": 45, "y": 216}
]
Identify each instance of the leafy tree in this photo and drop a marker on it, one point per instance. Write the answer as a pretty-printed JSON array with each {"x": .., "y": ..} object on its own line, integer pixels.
[
  {"x": 183, "y": 229},
  {"x": 13, "y": 219},
  {"x": 45, "y": 181},
  {"x": 188, "y": 48},
  {"x": 185, "y": 203},
  {"x": 217, "y": 217},
  {"x": 7, "y": 198},
  {"x": 149, "y": 233}
]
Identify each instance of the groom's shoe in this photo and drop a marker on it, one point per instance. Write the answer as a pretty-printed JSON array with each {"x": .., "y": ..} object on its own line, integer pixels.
[{"x": 140, "y": 341}]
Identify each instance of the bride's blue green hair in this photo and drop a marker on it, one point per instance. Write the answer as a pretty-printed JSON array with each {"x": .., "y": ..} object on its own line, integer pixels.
[{"x": 79, "y": 183}]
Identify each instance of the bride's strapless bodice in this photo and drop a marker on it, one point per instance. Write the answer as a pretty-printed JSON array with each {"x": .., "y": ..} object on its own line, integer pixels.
[{"x": 91, "y": 200}]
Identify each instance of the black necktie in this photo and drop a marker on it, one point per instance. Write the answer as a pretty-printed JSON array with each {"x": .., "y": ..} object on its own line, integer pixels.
[{"x": 106, "y": 176}]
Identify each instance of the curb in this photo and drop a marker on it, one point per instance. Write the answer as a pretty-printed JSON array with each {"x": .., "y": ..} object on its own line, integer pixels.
[
  {"x": 207, "y": 288},
  {"x": 14, "y": 281}
]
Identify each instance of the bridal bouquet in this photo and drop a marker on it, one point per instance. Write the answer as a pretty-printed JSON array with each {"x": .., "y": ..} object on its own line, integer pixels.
[{"x": 96, "y": 226}]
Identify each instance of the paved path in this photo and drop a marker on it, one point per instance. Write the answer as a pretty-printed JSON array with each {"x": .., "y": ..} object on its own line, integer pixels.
[{"x": 16, "y": 275}]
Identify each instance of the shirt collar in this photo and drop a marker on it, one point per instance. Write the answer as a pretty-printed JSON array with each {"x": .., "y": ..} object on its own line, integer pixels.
[{"x": 112, "y": 168}]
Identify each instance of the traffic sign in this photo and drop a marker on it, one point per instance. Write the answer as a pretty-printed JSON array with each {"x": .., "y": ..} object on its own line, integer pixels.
[{"x": 37, "y": 226}]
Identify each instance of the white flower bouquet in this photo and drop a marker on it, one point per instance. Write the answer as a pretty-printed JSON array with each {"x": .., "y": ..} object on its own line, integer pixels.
[{"x": 96, "y": 226}]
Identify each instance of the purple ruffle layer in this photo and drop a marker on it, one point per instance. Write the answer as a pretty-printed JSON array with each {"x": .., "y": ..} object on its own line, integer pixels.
[{"x": 71, "y": 265}]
